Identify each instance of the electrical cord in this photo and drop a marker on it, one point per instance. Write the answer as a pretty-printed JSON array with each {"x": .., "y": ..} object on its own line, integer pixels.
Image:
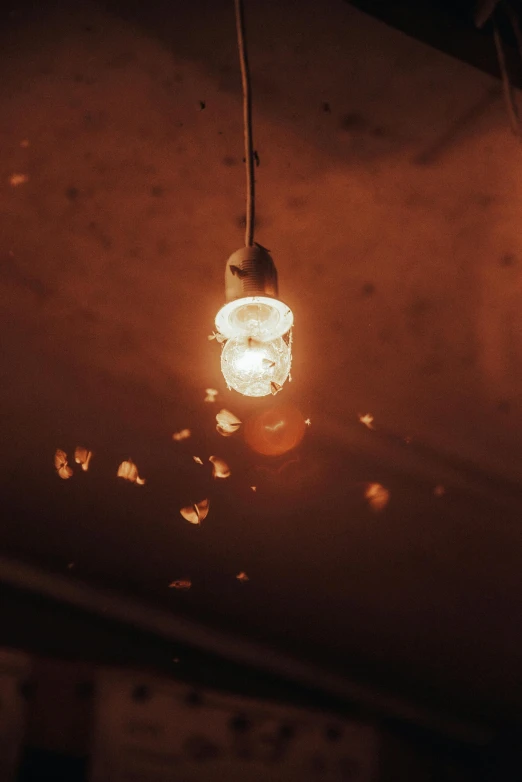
[
  {"x": 247, "y": 124},
  {"x": 509, "y": 96}
]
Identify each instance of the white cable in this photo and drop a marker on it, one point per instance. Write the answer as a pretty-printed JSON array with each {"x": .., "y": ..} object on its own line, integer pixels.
[{"x": 247, "y": 124}]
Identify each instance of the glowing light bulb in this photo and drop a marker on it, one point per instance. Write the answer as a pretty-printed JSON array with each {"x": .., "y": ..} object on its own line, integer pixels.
[
  {"x": 255, "y": 368},
  {"x": 260, "y": 317},
  {"x": 254, "y": 325}
]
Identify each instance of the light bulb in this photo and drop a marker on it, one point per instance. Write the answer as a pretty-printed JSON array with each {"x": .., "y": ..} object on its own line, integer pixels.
[
  {"x": 261, "y": 317},
  {"x": 255, "y": 368},
  {"x": 254, "y": 325}
]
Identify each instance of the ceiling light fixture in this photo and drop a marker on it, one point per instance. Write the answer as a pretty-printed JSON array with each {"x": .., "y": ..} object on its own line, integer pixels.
[{"x": 255, "y": 326}]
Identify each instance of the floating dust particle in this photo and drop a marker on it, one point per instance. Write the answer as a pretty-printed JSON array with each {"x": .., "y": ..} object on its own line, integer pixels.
[
  {"x": 18, "y": 179},
  {"x": 377, "y": 496},
  {"x": 184, "y": 434},
  {"x": 366, "y": 419}
]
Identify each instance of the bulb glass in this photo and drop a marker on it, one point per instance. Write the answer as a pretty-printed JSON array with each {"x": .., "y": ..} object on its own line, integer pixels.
[
  {"x": 256, "y": 368},
  {"x": 260, "y": 317}
]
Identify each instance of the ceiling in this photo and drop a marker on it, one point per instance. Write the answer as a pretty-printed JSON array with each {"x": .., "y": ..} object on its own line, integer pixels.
[{"x": 389, "y": 194}]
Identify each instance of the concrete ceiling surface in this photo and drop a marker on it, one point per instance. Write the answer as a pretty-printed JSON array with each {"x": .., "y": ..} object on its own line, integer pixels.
[{"x": 389, "y": 193}]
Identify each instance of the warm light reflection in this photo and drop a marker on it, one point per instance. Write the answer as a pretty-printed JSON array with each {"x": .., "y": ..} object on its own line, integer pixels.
[{"x": 275, "y": 431}]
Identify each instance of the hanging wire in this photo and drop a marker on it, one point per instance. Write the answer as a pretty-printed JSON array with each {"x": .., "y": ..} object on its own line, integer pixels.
[
  {"x": 247, "y": 124},
  {"x": 510, "y": 96},
  {"x": 509, "y": 93}
]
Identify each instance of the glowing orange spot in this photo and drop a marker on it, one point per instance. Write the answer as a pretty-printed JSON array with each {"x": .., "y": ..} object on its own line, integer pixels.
[
  {"x": 275, "y": 431},
  {"x": 242, "y": 576},
  {"x": 439, "y": 491}
]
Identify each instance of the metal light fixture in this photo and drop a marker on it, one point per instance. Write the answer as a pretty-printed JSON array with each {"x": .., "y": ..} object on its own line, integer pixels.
[{"x": 254, "y": 325}]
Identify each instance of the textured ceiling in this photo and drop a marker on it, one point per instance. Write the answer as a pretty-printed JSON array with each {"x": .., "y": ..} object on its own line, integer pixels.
[{"x": 389, "y": 193}]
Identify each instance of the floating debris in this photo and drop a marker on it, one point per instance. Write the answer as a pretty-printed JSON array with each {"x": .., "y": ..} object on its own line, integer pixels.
[
  {"x": 217, "y": 336},
  {"x": 242, "y": 576},
  {"x": 129, "y": 472},
  {"x": 211, "y": 394},
  {"x": 82, "y": 456},
  {"x": 227, "y": 423},
  {"x": 254, "y": 488},
  {"x": 221, "y": 468},
  {"x": 275, "y": 388},
  {"x": 197, "y": 460},
  {"x": 18, "y": 179},
  {"x": 197, "y": 512},
  {"x": 308, "y": 422},
  {"x": 377, "y": 496},
  {"x": 366, "y": 419},
  {"x": 61, "y": 464},
  {"x": 184, "y": 434}
]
